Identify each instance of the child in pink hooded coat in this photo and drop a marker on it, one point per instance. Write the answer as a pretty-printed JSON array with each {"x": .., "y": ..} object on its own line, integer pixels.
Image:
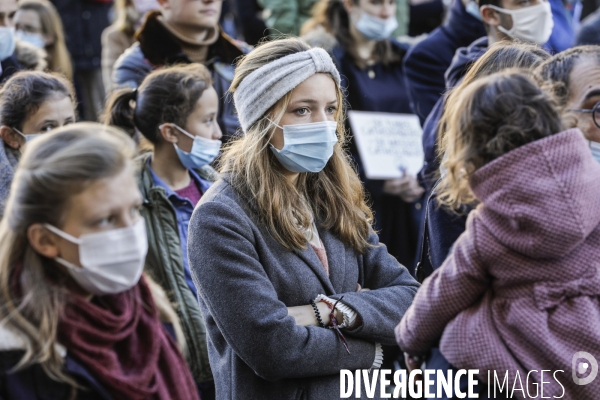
[{"x": 520, "y": 290}]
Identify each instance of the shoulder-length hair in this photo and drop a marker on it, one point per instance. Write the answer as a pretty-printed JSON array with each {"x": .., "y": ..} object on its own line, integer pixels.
[
  {"x": 59, "y": 57},
  {"x": 334, "y": 196}
]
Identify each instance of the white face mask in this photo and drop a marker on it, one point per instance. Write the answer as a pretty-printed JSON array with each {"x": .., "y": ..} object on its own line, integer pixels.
[
  {"x": 7, "y": 42},
  {"x": 112, "y": 261},
  {"x": 375, "y": 28},
  {"x": 595, "y": 148},
  {"x": 532, "y": 24}
]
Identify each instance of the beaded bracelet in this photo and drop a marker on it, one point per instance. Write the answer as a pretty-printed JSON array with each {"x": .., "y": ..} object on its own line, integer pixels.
[
  {"x": 333, "y": 322},
  {"x": 317, "y": 313}
]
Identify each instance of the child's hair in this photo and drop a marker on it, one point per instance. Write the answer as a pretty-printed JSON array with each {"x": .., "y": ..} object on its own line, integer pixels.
[
  {"x": 499, "y": 57},
  {"x": 489, "y": 118},
  {"x": 166, "y": 95},
  {"x": 25, "y": 92}
]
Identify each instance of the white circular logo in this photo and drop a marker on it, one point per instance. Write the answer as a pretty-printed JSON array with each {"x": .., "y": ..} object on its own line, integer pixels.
[{"x": 582, "y": 367}]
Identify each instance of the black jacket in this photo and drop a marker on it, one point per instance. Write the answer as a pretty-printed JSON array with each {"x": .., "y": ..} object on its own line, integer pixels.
[
  {"x": 157, "y": 48},
  {"x": 33, "y": 383},
  {"x": 83, "y": 23},
  {"x": 428, "y": 60}
]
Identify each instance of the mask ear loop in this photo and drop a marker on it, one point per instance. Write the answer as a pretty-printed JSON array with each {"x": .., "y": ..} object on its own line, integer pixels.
[
  {"x": 186, "y": 133},
  {"x": 62, "y": 234},
  {"x": 273, "y": 122}
]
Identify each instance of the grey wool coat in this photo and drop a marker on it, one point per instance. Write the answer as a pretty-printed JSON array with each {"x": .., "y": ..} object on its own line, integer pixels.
[{"x": 245, "y": 281}]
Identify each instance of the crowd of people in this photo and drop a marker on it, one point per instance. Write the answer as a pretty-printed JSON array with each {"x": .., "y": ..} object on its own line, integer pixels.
[{"x": 185, "y": 213}]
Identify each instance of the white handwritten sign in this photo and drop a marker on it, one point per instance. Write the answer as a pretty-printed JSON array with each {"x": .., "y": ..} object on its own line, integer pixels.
[{"x": 388, "y": 143}]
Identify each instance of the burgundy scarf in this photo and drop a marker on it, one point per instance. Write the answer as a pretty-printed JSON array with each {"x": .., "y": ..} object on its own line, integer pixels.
[{"x": 122, "y": 343}]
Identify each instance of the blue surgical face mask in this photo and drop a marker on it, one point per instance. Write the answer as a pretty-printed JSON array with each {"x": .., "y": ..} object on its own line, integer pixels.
[
  {"x": 204, "y": 151},
  {"x": 595, "y": 148},
  {"x": 29, "y": 137},
  {"x": 473, "y": 9},
  {"x": 307, "y": 147},
  {"x": 32, "y": 38},
  {"x": 376, "y": 28},
  {"x": 7, "y": 42}
]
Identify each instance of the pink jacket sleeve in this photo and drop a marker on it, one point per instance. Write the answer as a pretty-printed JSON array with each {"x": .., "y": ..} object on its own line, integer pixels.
[{"x": 456, "y": 285}]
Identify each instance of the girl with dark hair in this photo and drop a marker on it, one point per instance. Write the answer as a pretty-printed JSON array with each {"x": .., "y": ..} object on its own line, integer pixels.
[
  {"x": 518, "y": 286},
  {"x": 175, "y": 110},
  {"x": 370, "y": 63},
  {"x": 31, "y": 103}
]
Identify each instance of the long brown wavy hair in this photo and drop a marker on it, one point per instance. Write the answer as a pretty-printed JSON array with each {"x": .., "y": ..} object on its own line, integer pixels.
[{"x": 334, "y": 196}]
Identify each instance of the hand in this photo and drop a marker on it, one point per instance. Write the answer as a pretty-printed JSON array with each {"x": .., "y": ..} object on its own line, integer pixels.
[
  {"x": 412, "y": 362},
  {"x": 407, "y": 188},
  {"x": 305, "y": 315},
  {"x": 361, "y": 289}
]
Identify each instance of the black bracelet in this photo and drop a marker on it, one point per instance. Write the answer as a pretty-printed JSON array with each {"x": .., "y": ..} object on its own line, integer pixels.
[{"x": 317, "y": 313}]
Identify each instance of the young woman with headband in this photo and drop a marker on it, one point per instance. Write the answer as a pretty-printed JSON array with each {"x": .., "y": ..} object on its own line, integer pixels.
[
  {"x": 78, "y": 320},
  {"x": 292, "y": 281}
]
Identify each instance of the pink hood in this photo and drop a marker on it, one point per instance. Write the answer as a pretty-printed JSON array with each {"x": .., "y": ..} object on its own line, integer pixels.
[{"x": 542, "y": 199}]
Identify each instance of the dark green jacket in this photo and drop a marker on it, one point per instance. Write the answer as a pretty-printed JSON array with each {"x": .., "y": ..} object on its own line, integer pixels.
[{"x": 164, "y": 264}]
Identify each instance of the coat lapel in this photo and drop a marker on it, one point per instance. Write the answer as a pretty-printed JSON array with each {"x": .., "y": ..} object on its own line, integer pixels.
[
  {"x": 309, "y": 256},
  {"x": 336, "y": 257}
]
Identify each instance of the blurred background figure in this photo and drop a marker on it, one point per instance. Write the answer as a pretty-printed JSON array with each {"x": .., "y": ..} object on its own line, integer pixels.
[
  {"x": 286, "y": 16},
  {"x": 249, "y": 22},
  {"x": 118, "y": 37},
  {"x": 589, "y": 30},
  {"x": 31, "y": 103},
  {"x": 16, "y": 55},
  {"x": 427, "y": 61},
  {"x": 37, "y": 22},
  {"x": 184, "y": 32},
  {"x": 314, "y": 29},
  {"x": 84, "y": 21}
]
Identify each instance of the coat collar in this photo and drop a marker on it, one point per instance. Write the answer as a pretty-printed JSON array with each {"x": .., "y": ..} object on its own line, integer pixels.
[
  {"x": 160, "y": 48},
  {"x": 334, "y": 247},
  {"x": 146, "y": 181}
]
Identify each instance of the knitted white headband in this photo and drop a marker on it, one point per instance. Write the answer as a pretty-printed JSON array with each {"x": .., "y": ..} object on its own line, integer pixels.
[{"x": 264, "y": 87}]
